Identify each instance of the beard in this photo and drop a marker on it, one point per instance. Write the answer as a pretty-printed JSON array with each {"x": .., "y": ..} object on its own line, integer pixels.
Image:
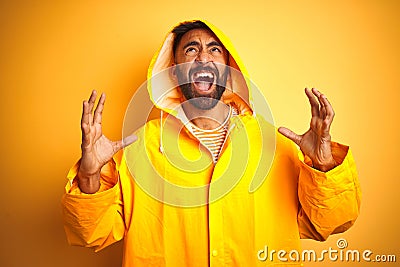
[
  {"x": 203, "y": 102},
  {"x": 198, "y": 100}
]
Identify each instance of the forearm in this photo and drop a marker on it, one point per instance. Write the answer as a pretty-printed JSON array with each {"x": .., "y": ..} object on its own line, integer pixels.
[
  {"x": 330, "y": 200},
  {"x": 93, "y": 220}
]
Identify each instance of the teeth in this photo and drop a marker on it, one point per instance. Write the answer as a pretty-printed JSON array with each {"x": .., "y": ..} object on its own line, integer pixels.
[{"x": 204, "y": 74}]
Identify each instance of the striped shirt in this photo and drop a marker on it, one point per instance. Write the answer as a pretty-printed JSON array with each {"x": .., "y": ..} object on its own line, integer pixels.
[{"x": 213, "y": 139}]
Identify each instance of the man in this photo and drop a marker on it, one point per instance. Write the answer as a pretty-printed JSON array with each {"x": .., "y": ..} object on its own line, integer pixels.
[{"x": 193, "y": 206}]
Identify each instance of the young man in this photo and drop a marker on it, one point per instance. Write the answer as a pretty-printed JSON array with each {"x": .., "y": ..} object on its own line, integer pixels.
[{"x": 180, "y": 192}]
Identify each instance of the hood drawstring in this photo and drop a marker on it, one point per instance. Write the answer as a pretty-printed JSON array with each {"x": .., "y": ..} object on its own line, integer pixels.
[{"x": 161, "y": 131}]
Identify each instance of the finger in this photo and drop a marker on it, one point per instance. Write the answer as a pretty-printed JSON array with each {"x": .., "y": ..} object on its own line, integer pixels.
[
  {"x": 99, "y": 109},
  {"x": 92, "y": 99},
  {"x": 313, "y": 102},
  {"x": 330, "y": 114},
  {"x": 85, "y": 116},
  {"x": 85, "y": 113},
  {"x": 322, "y": 109},
  {"x": 315, "y": 92},
  {"x": 291, "y": 135},
  {"x": 85, "y": 122}
]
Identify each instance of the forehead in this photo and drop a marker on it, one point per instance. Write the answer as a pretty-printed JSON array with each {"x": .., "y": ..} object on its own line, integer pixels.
[{"x": 201, "y": 35}]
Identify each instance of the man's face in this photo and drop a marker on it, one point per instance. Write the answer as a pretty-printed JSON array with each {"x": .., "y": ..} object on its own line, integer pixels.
[{"x": 202, "y": 78}]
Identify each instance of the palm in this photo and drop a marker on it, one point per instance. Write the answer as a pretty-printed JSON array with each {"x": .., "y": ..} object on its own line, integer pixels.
[
  {"x": 97, "y": 149},
  {"x": 316, "y": 142}
]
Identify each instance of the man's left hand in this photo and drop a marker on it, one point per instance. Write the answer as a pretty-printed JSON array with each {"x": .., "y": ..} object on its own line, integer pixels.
[{"x": 316, "y": 142}]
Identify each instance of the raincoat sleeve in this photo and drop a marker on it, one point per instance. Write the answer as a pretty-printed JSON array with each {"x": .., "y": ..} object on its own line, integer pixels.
[
  {"x": 94, "y": 220},
  {"x": 329, "y": 201}
]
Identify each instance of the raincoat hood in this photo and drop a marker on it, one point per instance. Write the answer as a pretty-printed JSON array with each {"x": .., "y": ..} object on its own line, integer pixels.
[{"x": 166, "y": 94}]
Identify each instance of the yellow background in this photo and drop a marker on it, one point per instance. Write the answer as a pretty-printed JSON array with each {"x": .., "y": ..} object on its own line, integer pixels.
[{"x": 53, "y": 53}]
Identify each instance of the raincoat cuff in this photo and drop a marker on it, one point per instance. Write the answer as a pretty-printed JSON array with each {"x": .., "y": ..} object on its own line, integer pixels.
[
  {"x": 109, "y": 178},
  {"x": 342, "y": 156}
]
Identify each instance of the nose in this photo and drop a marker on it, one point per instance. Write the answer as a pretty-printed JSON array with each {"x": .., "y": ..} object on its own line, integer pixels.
[{"x": 204, "y": 56}]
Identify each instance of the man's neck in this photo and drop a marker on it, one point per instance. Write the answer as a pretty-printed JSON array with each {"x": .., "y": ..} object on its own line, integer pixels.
[{"x": 206, "y": 119}]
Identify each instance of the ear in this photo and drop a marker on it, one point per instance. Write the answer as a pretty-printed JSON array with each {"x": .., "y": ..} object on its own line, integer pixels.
[{"x": 172, "y": 71}]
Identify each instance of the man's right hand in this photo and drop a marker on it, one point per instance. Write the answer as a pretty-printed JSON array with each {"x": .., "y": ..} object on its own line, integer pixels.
[{"x": 97, "y": 149}]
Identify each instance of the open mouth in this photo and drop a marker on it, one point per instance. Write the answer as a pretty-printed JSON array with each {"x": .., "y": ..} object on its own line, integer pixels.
[{"x": 203, "y": 80}]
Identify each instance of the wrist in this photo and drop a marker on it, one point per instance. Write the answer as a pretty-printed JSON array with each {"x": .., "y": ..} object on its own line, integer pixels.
[
  {"x": 88, "y": 183},
  {"x": 325, "y": 166},
  {"x": 88, "y": 175}
]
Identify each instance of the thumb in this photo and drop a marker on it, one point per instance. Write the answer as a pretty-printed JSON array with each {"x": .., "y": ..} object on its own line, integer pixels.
[
  {"x": 124, "y": 142},
  {"x": 289, "y": 134},
  {"x": 128, "y": 140}
]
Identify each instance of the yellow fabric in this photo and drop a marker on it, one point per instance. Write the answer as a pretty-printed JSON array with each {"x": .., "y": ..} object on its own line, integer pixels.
[{"x": 294, "y": 201}]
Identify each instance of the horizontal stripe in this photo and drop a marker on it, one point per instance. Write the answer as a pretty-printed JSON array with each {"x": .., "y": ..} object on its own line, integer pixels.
[{"x": 213, "y": 139}]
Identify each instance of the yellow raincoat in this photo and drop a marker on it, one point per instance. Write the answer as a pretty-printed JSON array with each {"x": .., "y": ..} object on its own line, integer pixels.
[{"x": 210, "y": 226}]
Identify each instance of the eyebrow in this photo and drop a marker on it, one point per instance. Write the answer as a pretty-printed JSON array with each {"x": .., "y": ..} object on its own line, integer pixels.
[
  {"x": 195, "y": 43},
  {"x": 214, "y": 43}
]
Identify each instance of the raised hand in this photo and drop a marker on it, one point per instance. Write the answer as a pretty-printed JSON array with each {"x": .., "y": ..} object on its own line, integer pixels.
[
  {"x": 97, "y": 149},
  {"x": 316, "y": 142}
]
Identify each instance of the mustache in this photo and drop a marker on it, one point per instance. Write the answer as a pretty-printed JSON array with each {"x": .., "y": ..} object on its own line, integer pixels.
[{"x": 184, "y": 72}]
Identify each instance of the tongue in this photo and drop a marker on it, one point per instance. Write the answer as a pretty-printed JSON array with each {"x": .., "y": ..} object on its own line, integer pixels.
[{"x": 203, "y": 86}]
